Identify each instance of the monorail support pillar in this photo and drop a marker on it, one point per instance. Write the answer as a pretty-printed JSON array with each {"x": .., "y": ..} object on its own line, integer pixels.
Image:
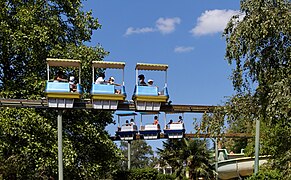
[
  {"x": 129, "y": 154},
  {"x": 257, "y": 146},
  {"x": 60, "y": 144},
  {"x": 216, "y": 159}
]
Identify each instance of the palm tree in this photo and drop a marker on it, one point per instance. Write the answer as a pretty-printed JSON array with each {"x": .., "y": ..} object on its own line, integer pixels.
[{"x": 187, "y": 155}]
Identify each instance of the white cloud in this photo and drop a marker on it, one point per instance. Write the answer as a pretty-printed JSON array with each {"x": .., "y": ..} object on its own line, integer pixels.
[
  {"x": 212, "y": 21},
  {"x": 183, "y": 49},
  {"x": 132, "y": 30},
  {"x": 167, "y": 25},
  {"x": 163, "y": 25}
]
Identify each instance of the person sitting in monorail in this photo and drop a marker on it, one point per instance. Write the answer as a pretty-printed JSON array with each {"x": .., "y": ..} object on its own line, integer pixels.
[
  {"x": 101, "y": 79},
  {"x": 132, "y": 122},
  {"x": 156, "y": 120},
  {"x": 180, "y": 119},
  {"x": 141, "y": 81},
  {"x": 60, "y": 77},
  {"x": 73, "y": 85},
  {"x": 111, "y": 82},
  {"x": 151, "y": 83},
  {"x": 168, "y": 125}
]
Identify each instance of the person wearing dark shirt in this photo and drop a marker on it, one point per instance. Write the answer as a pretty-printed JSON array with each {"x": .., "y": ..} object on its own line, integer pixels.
[
  {"x": 60, "y": 77},
  {"x": 127, "y": 123},
  {"x": 168, "y": 125},
  {"x": 141, "y": 81},
  {"x": 180, "y": 119}
]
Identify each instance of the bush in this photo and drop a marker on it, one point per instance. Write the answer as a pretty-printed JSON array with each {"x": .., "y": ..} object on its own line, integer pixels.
[
  {"x": 141, "y": 174},
  {"x": 266, "y": 174},
  {"x": 165, "y": 177},
  {"x": 122, "y": 175}
]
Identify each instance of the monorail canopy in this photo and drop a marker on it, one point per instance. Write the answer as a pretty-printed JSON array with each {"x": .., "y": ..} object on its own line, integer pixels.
[
  {"x": 151, "y": 67},
  {"x": 63, "y": 62},
  {"x": 108, "y": 64}
]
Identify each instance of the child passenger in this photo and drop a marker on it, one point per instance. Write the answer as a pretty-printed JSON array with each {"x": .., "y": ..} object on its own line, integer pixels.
[
  {"x": 150, "y": 82},
  {"x": 156, "y": 120},
  {"x": 132, "y": 122},
  {"x": 111, "y": 82},
  {"x": 73, "y": 85}
]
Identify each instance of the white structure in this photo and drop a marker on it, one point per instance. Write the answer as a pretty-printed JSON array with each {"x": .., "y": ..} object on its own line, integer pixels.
[
  {"x": 236, "y": 168},
  {"x": 167, "y": 169}
]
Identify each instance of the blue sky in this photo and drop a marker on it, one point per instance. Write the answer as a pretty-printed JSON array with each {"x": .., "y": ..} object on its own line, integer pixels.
[{"x": 185, "y": 34}]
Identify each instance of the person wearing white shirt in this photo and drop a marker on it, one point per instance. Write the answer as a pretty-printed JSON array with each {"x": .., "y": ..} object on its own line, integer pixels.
[{"x": 100, "y": 79}]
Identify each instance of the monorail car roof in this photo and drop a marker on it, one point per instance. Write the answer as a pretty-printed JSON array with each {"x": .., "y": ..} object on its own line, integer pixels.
[
  {"x": 63, "y": 62},
  {"x": 151, "y": 67},
  {"x": 108, "y": 64}
]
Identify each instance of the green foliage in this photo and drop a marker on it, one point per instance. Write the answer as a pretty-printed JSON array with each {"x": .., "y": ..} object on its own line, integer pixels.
[
  {"x": 29, "y": 144},
  {"x": 28, "y": 147},
  {"x": 211, "y": 123},
  {"x": 141, "y": 174},
  {"x": 259, "y": 45},
  {"x": 141, "y": 154},
  {"x": 165, "y": 177},
  {"x": 187, "y": 155},
  {"x": 267, "y": 174},
  {"x": 30, "y": 32}
]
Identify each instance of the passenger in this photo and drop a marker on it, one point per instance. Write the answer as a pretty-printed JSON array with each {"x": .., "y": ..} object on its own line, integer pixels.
[
  {"x": 141, "y": 81},
  {"x": 151, "y": 82},
  {"x": 180, "y": 119},
  {"x": 168, "y": 125},
  {"x": 73, "y": 85},
  {"x": 132, "y": 122},
  {"x": 127, "y": 123},
  {"x": 100, "y": 79},
  {"x": 156, "y": 120},
  {"x": 60, "y": 77},
  {"x": 111, "y": 82}
]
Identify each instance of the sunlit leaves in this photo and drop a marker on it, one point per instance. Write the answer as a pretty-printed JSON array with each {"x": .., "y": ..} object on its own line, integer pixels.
[
  {"x": 141, "y": 154},
  {"x": 31, "y": 31},
  {"x": 260, "y": 45}
]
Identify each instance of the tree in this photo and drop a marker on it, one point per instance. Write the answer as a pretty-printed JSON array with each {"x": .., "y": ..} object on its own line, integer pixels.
[
  {"x": 30, "y": 32},
  {"x": 187, "y": 155},
  {"x": 259, "y": 45},
  {"x": 141, "y": 154}
]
